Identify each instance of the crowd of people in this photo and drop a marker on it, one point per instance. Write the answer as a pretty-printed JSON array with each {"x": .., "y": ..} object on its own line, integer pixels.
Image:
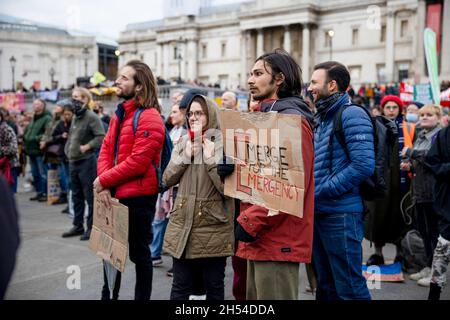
[{"x": 367, "y": 169}]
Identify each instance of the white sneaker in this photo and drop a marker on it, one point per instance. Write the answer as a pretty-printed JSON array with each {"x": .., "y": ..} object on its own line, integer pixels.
[
  {"x": 424, "y": 273},
  {"x": 194, "y": 297},
  {"x": 157, "y": 262},
  {"x": 424, "y": 282}
]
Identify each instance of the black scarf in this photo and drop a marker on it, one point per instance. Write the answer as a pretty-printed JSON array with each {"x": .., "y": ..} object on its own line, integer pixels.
[{"x": 324, "y": 104}]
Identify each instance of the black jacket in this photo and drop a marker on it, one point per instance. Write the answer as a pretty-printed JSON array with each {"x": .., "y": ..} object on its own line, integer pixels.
[
  {"x": 9, "y": 235},
  {"x": 438, "y": 160}
]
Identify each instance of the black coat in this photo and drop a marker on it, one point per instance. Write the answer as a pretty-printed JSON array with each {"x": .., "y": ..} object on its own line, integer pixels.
[
  {"x": 57, "y": 135},
  {"x": 438, "y": 160},
  {"x": 9, "y": 235}
]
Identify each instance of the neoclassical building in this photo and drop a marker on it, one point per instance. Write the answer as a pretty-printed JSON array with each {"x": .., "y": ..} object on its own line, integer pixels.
[
  {"x": 44, "y": 53},
  {"x": 379, "y": 40}
]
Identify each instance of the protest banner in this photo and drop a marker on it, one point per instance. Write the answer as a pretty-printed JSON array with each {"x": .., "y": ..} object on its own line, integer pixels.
[
  {"x": 12, "y": 101},
  {"x": 267, "y": 150},
  {"x": 109, "y": 235},
  {"x": 422, "y": 93},
  {"x": 53, "y": 187}
]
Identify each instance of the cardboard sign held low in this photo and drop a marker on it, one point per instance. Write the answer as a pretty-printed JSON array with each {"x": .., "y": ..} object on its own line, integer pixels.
[
  {"x": 109, "y": 235},
  {"x": 53, "y": 187},
  {"x": 267, "y": 150}
]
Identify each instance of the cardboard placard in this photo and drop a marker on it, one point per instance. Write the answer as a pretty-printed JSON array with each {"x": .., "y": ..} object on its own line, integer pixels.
[
  {"x": 53, "y": 187},
  {"x": 109, "y": 235},
  {"x": 267, "y": 150}
]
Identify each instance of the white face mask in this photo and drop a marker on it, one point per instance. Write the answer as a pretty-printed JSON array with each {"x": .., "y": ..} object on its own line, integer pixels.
[{"x": 412, "y": 117}]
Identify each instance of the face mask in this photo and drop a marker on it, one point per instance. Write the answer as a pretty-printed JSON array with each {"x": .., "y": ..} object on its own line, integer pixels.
[
  {"x": 412, "y": 117},
  {"x": 77, "y": 105},
  {"x": 445, "y": 110}
]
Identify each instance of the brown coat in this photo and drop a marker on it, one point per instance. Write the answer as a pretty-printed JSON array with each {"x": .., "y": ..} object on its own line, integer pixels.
[{"x": 201, "y": 222}]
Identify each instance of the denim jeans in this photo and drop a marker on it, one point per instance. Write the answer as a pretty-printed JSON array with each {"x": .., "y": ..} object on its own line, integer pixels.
[
  {"x": 159, "y": 229},
  {"x": 337, "y": 254},
  {"x": 64, "y": 177},
  {"x": 15, "y": 172},
  {"x": 39, "y": 172}
]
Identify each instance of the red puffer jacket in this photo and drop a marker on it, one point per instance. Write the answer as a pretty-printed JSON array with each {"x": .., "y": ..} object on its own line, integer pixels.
[
  {"x": 283, "y": 237},
  {"x": 134, "y": 175}
]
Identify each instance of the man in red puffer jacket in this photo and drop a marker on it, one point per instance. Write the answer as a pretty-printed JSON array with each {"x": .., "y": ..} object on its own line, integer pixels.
[{"x": 127, "y": 167}]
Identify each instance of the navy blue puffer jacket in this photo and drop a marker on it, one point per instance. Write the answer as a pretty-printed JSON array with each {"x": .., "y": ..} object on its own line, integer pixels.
[{"x": 338, "y": 191}]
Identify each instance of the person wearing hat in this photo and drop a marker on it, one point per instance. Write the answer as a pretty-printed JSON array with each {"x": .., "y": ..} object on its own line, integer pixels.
[
  {"x": 384, "y": 221},
  {"x": 189, "y": 96},
  {"x": 53, "y": 150},
  {"x": 60, "y": 135}
]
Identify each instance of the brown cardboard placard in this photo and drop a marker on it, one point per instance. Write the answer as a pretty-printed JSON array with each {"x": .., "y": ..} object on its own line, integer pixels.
[
  {"x": 267, "y": 149},
  {"x": 53, "y": 187},
  {"x": 109, "y": 235}
]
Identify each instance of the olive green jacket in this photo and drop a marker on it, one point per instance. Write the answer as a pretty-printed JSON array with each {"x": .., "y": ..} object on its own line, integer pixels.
[{"x": 201, "y": 222}]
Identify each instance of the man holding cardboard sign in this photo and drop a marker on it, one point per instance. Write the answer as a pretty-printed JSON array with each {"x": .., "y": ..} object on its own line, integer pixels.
[
  {"x": 273, "y": 176},
  {"x": 127, "y": 165}
]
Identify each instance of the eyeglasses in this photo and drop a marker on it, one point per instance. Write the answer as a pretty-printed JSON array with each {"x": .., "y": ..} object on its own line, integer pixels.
[{"x": 196, "y": 114}]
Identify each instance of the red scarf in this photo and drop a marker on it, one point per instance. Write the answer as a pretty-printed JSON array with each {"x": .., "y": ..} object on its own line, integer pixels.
[{"x": 192, "y": 134}]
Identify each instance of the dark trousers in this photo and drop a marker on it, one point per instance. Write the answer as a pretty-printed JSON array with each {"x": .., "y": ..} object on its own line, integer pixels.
[
  {"x": 82, "y": 176},
  {"x": 141, "y": 211},
  {"x": 427, "y": 225},
  {"x": 184, "y": 277},
  {"x": 239, "y": 278}
]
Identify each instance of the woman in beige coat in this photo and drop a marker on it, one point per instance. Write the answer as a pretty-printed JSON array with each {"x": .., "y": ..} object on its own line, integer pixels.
[{"x": 200, "y": 232}]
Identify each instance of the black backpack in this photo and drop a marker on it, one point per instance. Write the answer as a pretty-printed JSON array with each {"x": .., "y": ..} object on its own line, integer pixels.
[
  {"x": 166, "y": 152},
  {"x": 385, "y": 133}
]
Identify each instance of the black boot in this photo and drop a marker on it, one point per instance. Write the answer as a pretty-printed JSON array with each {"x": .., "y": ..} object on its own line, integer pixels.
[{"x": 435, "y": 292}]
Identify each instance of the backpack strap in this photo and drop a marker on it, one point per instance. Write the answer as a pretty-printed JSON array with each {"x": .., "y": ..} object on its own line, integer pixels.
[
  {"x": 137, "y": 114},
  {"x": 338, "y": 132}
]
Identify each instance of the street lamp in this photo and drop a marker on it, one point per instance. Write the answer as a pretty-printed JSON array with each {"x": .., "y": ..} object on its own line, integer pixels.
[
  {"x": 12, "y": 61},
  {"x": 179, "y": 57},
  {"x": 86, "y": 57},
  {"x": 51, "y": 72},
  {"x": 331, "y": 35}
]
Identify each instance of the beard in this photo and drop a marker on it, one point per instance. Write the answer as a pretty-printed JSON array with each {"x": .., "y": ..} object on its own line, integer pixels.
[
  {"x": 267, "y": 94},
  {"x": 126, "y": 95},
  {"x": 322, "y": 94}
]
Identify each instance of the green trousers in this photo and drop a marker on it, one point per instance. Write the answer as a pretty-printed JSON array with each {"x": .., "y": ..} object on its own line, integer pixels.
[{"x": 272, "y": 280}]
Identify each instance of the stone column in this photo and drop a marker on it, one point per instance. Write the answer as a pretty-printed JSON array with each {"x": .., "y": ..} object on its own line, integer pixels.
[
  {"x": 390, "y": 35},
  {"x": 192, "y": 56},
  {"x": 166, "y": 71},
  {"x": 184, "y": 57},
  {"x": 419, "y": 61},
  {"x": 260, "y": 43},
  {"x": 244, "y": 57},
  {"x": 445, "y": 45},
  {"x": 287, "y": 39},
  {"x": 306, "y": 53},
  {"x": 159, "y": 60}
]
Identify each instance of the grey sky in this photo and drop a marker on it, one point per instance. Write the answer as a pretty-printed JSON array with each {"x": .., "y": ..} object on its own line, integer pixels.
[{"x": 105, "y": 17}]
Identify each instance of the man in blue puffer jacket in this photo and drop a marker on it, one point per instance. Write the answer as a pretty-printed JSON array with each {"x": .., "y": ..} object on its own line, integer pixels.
[{"x": 338, "y": 213}]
